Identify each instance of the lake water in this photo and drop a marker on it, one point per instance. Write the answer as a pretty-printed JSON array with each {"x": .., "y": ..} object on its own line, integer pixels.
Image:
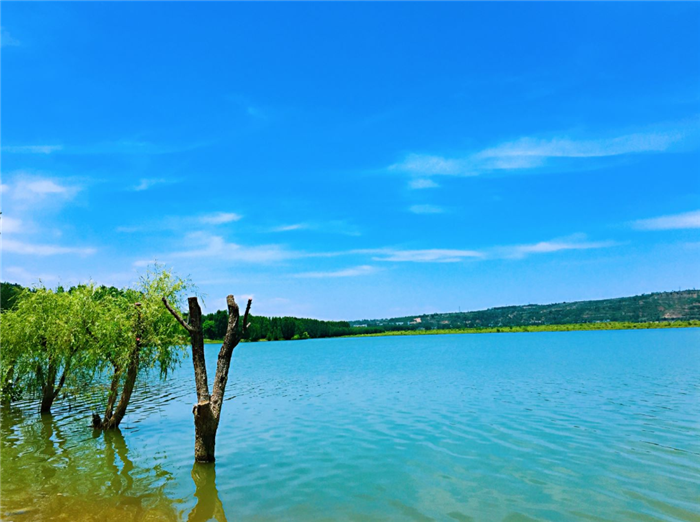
[{"x": 499, "y": 427}]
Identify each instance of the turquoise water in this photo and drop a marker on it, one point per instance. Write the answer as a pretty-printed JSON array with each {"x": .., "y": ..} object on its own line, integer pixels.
[{"x": 512, "y": 427}]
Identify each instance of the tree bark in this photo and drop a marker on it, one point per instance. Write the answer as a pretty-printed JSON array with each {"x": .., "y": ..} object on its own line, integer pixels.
[
  {"x": 112, "y": 419},
  {"x": 207, "y": 411},
  {"x": 47, "y": 387}
]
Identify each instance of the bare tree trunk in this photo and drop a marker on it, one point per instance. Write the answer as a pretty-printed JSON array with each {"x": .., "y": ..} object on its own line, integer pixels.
[{"x": 207, "y": 411}]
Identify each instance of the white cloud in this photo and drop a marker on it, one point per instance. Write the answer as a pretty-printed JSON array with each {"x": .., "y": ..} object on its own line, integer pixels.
[
  {"x": 529, "y": 153},
  {"x": 327, "y": 227},
  {"x": 426, "y": 209},
  {"x": 567, "y": 148},
  {"x": 440, "y": 255},
  {"x": 347, "y": 272},
  {"x": 432, "y": 165},
  {"x": 10, "y": 225},
  {"x": 32, "y": 188},
  {"x": 4, "y": 188},
  {"x": 673, "y": 222},
  {"x": 18, "y": 247},
  {"x": 204, "y": 245},
  {"x": 219, "y": 218},
  {"x": 18, "y": 274},
  {"x": 422, "y": 183},
  {"x": 547, "y": 247},
  {"x": 433, "y": 255},
  {"x": 32, "y": 149},
  {"x": 45, "y": 186},
  {"x": 289, "y": 228}
]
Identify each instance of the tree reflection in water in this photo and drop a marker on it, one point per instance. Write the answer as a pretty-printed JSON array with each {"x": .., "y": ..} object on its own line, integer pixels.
[
  {"x": 52, "y": 470},
  {"x": 208, "y": 503}
]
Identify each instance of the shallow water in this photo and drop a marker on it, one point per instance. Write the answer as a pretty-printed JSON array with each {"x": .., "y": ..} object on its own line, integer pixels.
[{"x": 513, "y": 427}]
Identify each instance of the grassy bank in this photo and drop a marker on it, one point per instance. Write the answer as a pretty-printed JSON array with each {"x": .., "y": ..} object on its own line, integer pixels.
[{"x": 544, "y": 328}]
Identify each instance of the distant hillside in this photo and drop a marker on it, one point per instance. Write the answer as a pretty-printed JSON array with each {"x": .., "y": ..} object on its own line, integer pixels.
[{"x": 662, "y": 306}]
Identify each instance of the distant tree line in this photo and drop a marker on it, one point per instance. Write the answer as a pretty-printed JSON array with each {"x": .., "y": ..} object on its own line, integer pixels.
[
  {"x": 280, "y": 328},
  {"x": 656, "y": 307}
]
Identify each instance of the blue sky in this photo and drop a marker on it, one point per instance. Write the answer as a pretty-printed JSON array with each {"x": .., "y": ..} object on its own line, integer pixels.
[{"x": 354, "y": 160}]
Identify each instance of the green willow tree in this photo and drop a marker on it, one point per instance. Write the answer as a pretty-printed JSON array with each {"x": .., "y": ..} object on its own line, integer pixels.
[
  {"x": 141, "y": 336},
  {"x": 49, "y": 342}
]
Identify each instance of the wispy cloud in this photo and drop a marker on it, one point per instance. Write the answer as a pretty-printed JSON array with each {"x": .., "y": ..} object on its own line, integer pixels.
[
  {"x": 149, "y": 183},
  {"x": 568, "y": 148},
  {"x": 530, "y": 153},
  {"x": 31, "y": 149},
  {"x": 124, "y": 147},
  {"x": 347, "y": 272},
  {"x": 10, "y": 225},
  {"x": 21, "y": 275},
  {"x": 6, "y": 40},
  {"x": 28, "y": 187},
  {"x": 289, "y": 228},
  {"x": 428, "y": 165},
  {"x": 576, "y": 242},
  {"x": 220, "y": 218},
  {"x": 180, "y": 222},
  {"x": 431, "y": 255},
  {"x": 341, "y": 227},
  {"x": 205, "y": 245},
  {"x": 672, "y": 222},
  {"x": 446, "y": 255},
  {"x": 18, "y": 247},
  {"x": 422, "y": 183},
  {"x": 426, "y": 209}
]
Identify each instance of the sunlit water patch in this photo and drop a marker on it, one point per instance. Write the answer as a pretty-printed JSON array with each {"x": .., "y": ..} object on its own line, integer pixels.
[{"x": 512, "y": 427}]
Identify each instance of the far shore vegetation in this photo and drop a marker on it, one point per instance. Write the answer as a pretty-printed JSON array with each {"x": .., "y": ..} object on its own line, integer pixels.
[{"x": 616, "y": 325}]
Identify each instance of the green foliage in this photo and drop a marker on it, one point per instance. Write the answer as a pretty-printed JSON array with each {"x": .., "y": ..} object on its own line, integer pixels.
[
  {"x": 660, "y": 306},
  {"x": 163, "y": 339},
  {"x": 279, "y": 328},
  {"x": 9, "y": 293},
  {"x": 64, "y": 338},
  {"x": 47, "y": 335}
]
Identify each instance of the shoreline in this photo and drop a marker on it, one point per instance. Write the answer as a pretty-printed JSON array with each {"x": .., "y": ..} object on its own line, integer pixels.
[{"x": 573, "y": 327}]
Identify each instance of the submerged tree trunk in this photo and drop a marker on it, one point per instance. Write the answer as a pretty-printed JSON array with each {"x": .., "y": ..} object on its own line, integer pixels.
[
  {"x": 49, "y": 387},
  {"x": 47, "y": 391},
  {"x": 207, "y": 411},
  {"x": 113, "y": 416}
]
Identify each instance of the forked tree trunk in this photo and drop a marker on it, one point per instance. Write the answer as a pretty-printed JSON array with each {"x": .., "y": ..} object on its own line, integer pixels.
[
  {"x": 113, "y": 416},
  {"x": 207, "y": 411}
]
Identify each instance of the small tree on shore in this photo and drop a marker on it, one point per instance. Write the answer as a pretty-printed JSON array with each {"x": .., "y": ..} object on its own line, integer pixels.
[{"x": 207, "y": 411}]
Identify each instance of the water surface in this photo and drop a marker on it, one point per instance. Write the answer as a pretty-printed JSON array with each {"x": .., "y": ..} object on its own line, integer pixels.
[{"x": 514, "y": 427}]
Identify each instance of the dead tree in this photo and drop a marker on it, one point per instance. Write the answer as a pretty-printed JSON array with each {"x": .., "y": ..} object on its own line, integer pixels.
[{"x": 207, "y": 411}]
